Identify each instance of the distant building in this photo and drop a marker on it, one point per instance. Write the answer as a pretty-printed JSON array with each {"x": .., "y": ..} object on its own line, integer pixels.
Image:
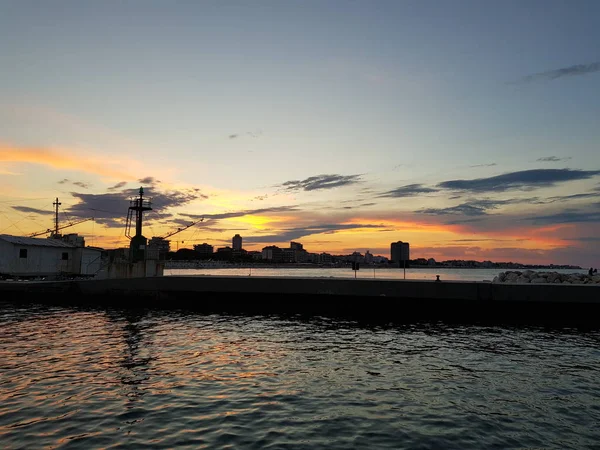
[
  {"x": 295, "y": 253},
  {"x": 204, "y": 250},
  {"x": 380, "y": 259},
  {"x": 239, "y": 254},
  {"x": 236, "y": 243},
  {"x": 74, "y": 239},
  {"x": 400, "y": 251},
  {"x": 255, "y": 255},
  {"x": 356, "y": 257},
  {"x": 160, "y": 245},
  {"x": 288, "y": 255},
  {"x": 325, "y": 258},
  {"x": 301, "y": 256},
  {"x": 272, "y": 253},
  {"x": 224, "y": 253}
]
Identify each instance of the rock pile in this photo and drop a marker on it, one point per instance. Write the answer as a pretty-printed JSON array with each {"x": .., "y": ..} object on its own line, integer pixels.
[{"x": 530, "y": 276}]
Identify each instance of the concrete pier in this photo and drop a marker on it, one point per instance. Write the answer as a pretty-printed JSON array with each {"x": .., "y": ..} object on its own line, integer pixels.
[{"x": 391, "y": 300}]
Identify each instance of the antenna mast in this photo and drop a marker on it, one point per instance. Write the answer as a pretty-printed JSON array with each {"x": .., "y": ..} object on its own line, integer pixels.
[{"x": 56, "y": 204}]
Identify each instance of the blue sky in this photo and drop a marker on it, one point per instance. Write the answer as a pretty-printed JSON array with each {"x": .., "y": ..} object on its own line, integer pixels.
[{"x": 231, "y": 111}]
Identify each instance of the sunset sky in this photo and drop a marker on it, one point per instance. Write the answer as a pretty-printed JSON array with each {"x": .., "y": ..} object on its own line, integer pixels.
[{"x": 469, "y": 129}]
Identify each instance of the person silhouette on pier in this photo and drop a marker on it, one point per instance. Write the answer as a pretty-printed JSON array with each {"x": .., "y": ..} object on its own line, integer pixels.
[{"x": 591, "y": 271}]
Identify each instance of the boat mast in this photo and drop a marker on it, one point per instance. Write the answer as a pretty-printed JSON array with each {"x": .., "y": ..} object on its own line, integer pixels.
[
  {"x": 138, "y": 242},
  {"x": 56, "y": 204}
]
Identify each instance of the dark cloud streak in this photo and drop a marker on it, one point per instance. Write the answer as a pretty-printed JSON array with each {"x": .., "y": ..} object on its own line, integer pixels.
[
  {"x": 27, "y": 209},
  {"x": 248, "y": 212},
  {"x": 484, "y": 165},
  {"x": 80, "y": 184},
  {"x": 409, "y": 190},
  {"x": 524, "y": 180},
  {"x": 476, "y": 207},
  {"x": 553, "y": 159},
  {"x": 570, "y": 216},
  {"x": 120, "y": 185},
  {"x": 462, "y": 209},
  {"x": 149, "y": 181},
  {"x": 297, "y": 233},
  {"x": 321, "y": 182},
  {"x": 571, "y": 71}
]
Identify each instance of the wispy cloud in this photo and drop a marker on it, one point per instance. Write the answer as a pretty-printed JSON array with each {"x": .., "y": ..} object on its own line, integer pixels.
[
  {"x": 252, "y": 134},
  {"x": 571, "y": 71},
  {"x": 584, "y": 239},
  {"x": 27, "y": 209},
  {"x": 360, "y": 205},
  {"x": 8, "y": 172},
  {"x": 553, "y": 159},
  {"x": 562, "y": 198},
  {"x": 118, "y": 186},
  {"x": 462, "y": 221},
  {"x": 409, "y": 190},
  {"x": 81, "y": 184},
  {"x": 149, "y": 181},
  {"x": 482, "y": 240},
  {"x": 484, "y": 165},
  {"x": 61, "y": 159},
  {"x": 475, "y": 207},
  {"x": 321, "y": 182},
  {"x": 570, "y": 216},
  {"x": 524, "y": 180},
  {"x": 463, "y": 209},
  {"x": 245, "y": 212},
  {"x": 297, "y": 233}
]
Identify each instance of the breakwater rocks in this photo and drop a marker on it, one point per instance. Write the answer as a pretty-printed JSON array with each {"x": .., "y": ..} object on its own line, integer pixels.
[{"x": 531, "y": 276}]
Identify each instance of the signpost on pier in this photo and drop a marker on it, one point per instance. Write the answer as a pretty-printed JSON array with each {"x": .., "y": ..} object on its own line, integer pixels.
[{"x": 355, "y": 267}]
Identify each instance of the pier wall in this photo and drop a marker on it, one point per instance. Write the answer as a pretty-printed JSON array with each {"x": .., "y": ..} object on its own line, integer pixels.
[{"x": 375, "y": 299}]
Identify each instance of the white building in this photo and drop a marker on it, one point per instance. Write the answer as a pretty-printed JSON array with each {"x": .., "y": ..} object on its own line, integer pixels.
[
  {"x": 38, "y": 257},
  {"x": 90, "y": 260}
]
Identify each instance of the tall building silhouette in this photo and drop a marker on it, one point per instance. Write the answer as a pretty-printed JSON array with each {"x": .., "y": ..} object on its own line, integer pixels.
[
  {"x": 400, "y": 251},
  {"x": 236, "y": 243}
]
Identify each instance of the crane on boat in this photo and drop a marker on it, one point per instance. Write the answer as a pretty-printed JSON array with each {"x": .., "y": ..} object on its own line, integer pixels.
[
  {"x": 54, "y": 232},
  {"x": 179, "y": 230},
  {"x": 161, "y": 242},
  {"x": 57, "y": 227}
]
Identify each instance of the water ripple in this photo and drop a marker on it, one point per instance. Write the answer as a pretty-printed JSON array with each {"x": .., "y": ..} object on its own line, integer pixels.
[{"x": 107, "y": 378}]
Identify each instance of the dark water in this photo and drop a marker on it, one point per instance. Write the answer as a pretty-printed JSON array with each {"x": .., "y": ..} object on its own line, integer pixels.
[{"x": 100, "y": 378}]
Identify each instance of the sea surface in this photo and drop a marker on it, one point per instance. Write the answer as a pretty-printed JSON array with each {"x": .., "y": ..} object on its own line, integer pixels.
[
  {"x": 363, "y": 272},
  {"x": 115, "y": 378}
]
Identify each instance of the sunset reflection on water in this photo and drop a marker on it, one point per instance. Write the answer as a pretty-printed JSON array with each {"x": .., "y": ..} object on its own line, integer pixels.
[{"x": 96, "y": 378}]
